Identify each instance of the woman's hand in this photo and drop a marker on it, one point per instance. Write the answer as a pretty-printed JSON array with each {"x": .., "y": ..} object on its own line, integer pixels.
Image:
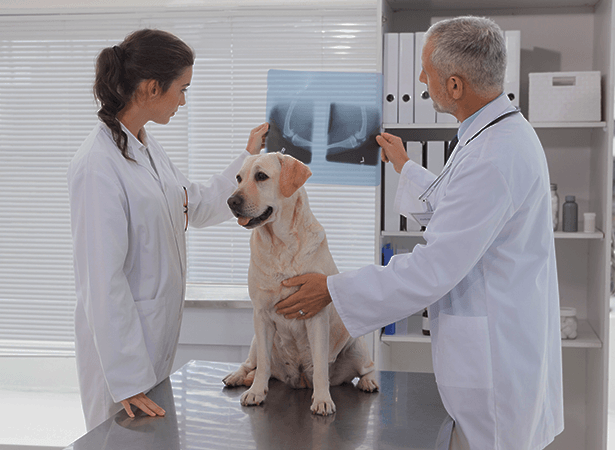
[
  {"x": 393, "y": 150},
  {"x": 142, "y": 402},
  {"x": 256, "y": 141}
]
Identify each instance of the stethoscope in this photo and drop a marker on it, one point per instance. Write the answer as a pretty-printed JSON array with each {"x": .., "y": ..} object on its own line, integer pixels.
[{"x": 447, "y": 167}]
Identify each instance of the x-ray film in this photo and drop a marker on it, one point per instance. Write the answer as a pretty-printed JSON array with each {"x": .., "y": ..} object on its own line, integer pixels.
[{"x": 328, "y": 120}]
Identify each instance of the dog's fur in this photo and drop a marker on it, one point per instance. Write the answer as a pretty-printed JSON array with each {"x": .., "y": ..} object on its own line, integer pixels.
[{"x": 286, "y": 241}]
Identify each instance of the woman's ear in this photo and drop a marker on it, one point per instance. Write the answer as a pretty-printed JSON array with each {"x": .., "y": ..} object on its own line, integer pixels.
[
  {"x": 153, "y": 88},
  {"x": 147, "y": 90}
]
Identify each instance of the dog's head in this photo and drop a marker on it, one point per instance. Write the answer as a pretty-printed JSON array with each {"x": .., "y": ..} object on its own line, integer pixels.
[{"x": 265, "y": 181}]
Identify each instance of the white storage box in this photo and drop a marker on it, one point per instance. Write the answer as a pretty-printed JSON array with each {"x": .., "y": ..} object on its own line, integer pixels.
[{"x": 564, "y": 97}]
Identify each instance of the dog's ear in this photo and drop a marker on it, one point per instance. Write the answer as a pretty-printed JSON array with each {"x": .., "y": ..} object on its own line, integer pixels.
[{"x": 293, "y": 174}]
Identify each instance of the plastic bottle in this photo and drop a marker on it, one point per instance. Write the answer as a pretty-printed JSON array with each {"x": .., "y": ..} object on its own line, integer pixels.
[
  {"x": 570, "y": 212},
  {"x": 555, "y": 206}
]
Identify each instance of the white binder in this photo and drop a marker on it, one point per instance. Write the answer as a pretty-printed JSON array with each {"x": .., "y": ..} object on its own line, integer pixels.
[
  {"x": 435, "y": 156},
  {"x": 513, "y": 65},
  {"x": 414, "y": 149},
  {"x": 391, "y": 181},
  {"x": 406, "y": 78},
  {"x": 390, "y": 81},
  {"x": 423, "y": 106},
  {"x": 415, "y": 153}
]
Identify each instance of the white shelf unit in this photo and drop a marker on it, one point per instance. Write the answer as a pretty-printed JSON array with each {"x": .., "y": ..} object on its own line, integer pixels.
[
  {"x": 558, "y": 234},
  {"x": 454, "y": 126},
  {"x": 556, "y": 35},
  {"x": 587, "y": 337}
]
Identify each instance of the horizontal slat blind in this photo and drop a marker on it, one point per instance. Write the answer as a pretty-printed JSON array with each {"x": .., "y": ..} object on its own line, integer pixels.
[{"x": 47, "y": 110}]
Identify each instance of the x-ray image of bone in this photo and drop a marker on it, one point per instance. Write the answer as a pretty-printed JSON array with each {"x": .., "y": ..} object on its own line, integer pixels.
[
  {"x": 328, "y": 120},
  {"x": 351, "y": 131},
  {"x": 291, "y": 129}
]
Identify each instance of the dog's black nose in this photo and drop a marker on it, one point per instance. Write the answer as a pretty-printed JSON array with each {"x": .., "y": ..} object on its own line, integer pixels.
[{"x": 235, "y": 202}]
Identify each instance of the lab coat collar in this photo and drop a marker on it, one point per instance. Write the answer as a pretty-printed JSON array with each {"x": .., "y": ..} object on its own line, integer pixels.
[
  {"x": 136, "y": 149},
  {"x": 491, "y": 111},
  {"x": 139, "y": 150},
  {"x": 133, "y": 142}
]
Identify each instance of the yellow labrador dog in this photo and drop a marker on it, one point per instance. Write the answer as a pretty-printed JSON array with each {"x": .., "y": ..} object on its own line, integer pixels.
[{"x": 286, "y": 241}]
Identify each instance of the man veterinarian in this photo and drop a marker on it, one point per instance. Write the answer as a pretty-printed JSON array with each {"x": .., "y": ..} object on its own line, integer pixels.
[{"x": 487, "y": 271}]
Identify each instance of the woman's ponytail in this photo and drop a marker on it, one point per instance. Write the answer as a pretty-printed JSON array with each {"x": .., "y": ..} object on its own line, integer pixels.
[{"x": 110, "y": 93}]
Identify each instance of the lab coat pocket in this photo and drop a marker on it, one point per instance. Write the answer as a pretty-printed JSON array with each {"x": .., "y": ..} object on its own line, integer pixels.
[{"x": 463, "y": 357}]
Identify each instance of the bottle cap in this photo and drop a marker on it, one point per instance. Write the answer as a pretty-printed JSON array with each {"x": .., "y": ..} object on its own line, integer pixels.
[
  {"x": 570, "y": 198},
  {"x": 553, "y": 186}
]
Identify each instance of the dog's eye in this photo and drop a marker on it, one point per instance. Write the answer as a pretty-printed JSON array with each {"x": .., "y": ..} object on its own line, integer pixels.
[
  {"x": 238, "y": 177},
  {"x": 261, "y": 176}
]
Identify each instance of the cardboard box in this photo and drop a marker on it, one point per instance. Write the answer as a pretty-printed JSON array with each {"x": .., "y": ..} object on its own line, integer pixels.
[{"x": 564, "y": 97}]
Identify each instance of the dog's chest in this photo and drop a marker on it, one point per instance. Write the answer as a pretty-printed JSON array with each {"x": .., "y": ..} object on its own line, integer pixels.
[{"x": 279, "y": 260}]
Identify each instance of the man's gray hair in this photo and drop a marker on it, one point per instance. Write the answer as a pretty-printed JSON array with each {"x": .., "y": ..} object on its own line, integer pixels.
[{"x": 470, "y": 47}]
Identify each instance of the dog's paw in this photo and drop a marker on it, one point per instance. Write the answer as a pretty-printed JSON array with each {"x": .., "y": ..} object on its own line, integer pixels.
[
  {"x": 252, "y": 398},
  {"x": 235, "y": 378},
  {"x": 368, "y": 383},
  {"x": 323, "y": 407},
  {"x": 239, "y": 378}
]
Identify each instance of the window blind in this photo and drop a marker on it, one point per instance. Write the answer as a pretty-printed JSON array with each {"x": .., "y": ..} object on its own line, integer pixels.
[{"x": 47, "y": 109}]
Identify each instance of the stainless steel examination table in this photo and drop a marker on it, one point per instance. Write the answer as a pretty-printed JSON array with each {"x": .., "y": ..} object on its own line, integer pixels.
[{"x": 201, "y": 413}]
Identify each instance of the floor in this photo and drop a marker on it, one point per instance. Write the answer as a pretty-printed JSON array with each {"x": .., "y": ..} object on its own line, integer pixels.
[{"x": 40, "y": 420}]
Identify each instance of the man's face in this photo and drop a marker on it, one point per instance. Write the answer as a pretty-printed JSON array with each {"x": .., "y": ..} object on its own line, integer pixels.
[{"x": 442, "y": 101}]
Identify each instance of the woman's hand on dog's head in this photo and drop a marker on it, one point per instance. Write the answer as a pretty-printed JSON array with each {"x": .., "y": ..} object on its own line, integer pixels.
[{"x": 256, "y": 141}]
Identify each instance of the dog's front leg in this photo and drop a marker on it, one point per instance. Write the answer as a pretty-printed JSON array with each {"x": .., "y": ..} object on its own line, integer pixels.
[
  {"x": 264, "y": 331},
  {"x": 318, "y": 335}
]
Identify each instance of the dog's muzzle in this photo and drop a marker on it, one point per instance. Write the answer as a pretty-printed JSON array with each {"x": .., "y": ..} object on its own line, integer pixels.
[{"x": 236, "y": 202}]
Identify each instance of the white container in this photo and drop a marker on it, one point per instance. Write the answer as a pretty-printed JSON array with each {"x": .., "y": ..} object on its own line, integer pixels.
[
  {"x": 568, "y": 322},
  {"x": 564, "y": 97},
  {"x": 589, "y": 222}
]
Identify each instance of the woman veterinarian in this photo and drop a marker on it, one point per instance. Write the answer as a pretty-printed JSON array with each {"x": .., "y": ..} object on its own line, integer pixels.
[
  {"x": 130, "y": 208},
  {"x": 488, "y": 269}
]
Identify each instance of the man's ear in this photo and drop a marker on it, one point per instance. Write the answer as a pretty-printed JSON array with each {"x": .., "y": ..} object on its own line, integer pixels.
[
  {"x": 293, "y": 175},
  {"x": 455, "y": 86}
]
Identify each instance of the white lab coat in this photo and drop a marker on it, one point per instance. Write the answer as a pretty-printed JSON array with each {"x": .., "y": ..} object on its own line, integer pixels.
[
  {"x": 129, "y": 248},
  {"x": 488, "y": 275}
]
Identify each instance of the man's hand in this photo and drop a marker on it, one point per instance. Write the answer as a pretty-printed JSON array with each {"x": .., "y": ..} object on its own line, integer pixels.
[
  {"x": 311, "y": 297},
  {"x": 393, "y": 150},
  {"x": 142, "y": 402},
  {"x": 256, "y": 141}
]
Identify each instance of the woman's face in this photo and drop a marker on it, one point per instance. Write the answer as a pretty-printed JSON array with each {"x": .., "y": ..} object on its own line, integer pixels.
[{"x": 167, "y": 104}]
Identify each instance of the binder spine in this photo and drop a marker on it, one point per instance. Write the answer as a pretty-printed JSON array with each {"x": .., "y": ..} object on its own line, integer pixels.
[
  {"x": 406, "y": 78},
  {"x": 390, "y": 76},
  {"x": 513, "y": 65}
]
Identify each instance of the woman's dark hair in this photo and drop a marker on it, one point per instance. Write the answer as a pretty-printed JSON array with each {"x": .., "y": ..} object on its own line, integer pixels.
[{"x": 144, "y": 55}]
